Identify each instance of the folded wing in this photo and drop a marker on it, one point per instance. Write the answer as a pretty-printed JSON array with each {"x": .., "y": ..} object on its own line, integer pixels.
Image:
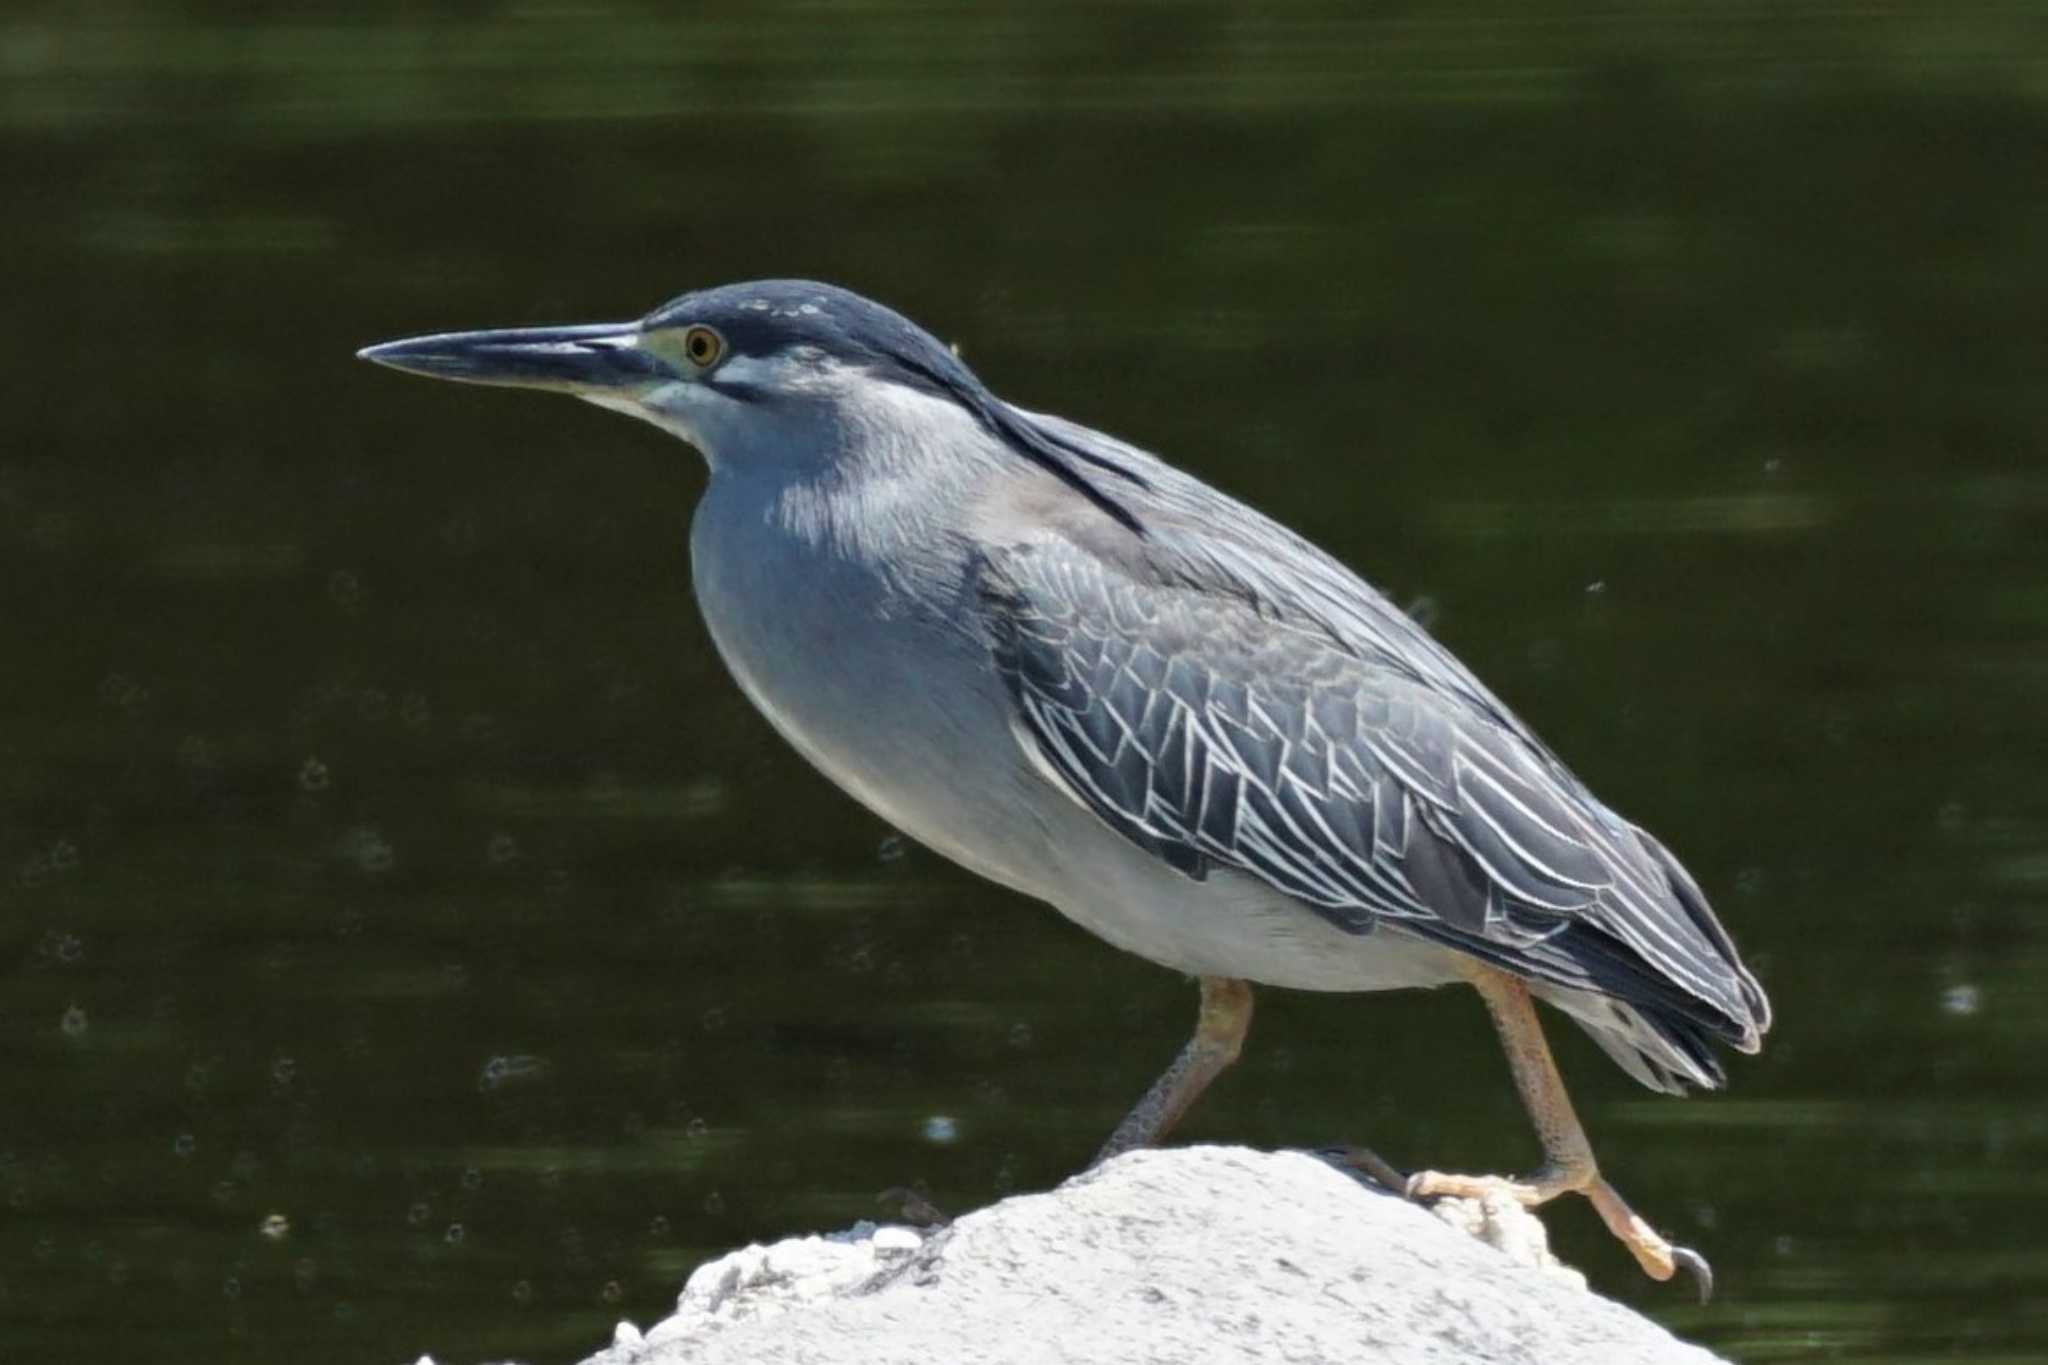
[{"x": 1215, "y": 728}]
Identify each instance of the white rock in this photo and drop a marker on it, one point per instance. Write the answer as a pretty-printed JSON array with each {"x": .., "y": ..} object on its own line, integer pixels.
[
  {"x": 1510, "y": 1229},
  {"x": 712, "y": 1283},
  {"x": 896, "y": 1241},
  {"x": 1217, "y": 1255}
]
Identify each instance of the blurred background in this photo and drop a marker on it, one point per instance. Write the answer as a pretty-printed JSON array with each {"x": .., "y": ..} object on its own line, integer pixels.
[{"x": 409, "y": 938}]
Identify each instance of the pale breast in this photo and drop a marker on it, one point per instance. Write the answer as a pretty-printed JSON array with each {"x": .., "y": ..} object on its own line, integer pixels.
[{"x": 882, "y": 684}]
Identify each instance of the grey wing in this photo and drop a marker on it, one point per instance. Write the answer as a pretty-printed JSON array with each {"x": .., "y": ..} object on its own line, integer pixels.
[{"x": 1211, "y": 732}]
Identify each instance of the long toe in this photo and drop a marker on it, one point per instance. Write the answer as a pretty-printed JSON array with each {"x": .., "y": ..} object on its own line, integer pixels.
[
  {"x": 1364, "y": 1162},
  {"x": 1659, "y": 1259},
  {"x": 1439, "y": 1185}
]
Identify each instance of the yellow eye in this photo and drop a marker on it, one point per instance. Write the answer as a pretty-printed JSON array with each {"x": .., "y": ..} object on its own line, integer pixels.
[{"x": 703, "y": 346}]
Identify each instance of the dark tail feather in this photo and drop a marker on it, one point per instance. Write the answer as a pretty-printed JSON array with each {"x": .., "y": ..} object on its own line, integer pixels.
[
  {"x": 1695, "y": 906},
  {"x": 1663, "y": 1051},
  {"x": 1654, "y": 1030}
]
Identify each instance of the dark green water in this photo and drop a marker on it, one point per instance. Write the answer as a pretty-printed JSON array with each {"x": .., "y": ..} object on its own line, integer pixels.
[{"x": 409, "y": 940}]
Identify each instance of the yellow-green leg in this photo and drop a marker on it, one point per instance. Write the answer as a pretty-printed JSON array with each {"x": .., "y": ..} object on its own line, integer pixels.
[
  {"x": 1568, "y": 1164},
  {"x": 1225, "y": 1017}
]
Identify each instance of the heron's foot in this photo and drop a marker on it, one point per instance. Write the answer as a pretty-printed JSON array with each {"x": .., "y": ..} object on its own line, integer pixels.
[
  {"x": 1659, "y": 1259},
  {"x": 913, "y": 1207}
]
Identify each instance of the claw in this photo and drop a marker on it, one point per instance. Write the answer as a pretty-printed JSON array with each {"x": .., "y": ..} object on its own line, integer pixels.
[{"x": 1702, "y": 1273}]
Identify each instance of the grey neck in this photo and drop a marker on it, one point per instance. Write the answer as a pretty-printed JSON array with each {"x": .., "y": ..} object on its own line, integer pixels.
[{"x": 879, "y": 469}]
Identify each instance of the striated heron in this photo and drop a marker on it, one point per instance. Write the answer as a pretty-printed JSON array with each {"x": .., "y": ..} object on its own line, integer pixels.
[{"x": 1092, "y": 678}]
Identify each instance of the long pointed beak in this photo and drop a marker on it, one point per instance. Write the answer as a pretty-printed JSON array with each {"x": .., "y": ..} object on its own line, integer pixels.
[{"x": 594, "y": 358}]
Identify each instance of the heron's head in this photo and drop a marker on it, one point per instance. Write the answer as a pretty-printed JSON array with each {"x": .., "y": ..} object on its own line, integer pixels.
[
  {"x": 722, "y": 368},
  {"x": 773, "y": 371}
]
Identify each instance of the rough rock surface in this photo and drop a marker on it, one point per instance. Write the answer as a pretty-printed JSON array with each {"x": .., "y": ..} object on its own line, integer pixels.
[{"x": 1197, "y": 1254}]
